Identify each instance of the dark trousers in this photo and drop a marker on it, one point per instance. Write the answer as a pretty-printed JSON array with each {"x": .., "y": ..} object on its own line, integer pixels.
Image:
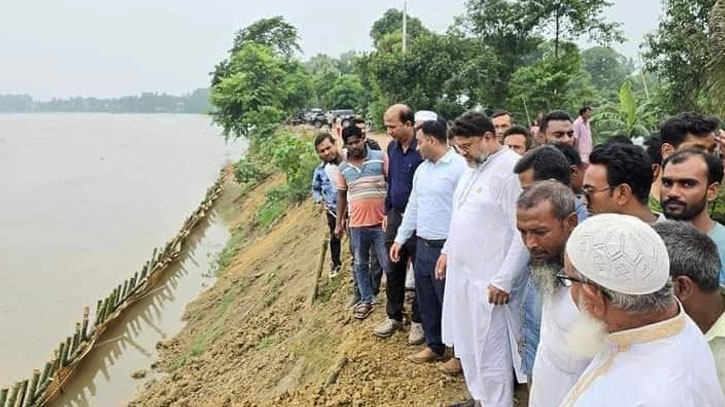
[
  {"x": 395, "y": 273},
  {"x": 429, "y": 291},
  {"x": 376, "y": 271},
  {"x": 334, "y": 241}
]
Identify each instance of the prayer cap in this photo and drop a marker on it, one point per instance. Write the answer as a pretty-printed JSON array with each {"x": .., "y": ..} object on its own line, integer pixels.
[
  {"x": 425, "y": 115},
  {"x": 621, "y": 253}
]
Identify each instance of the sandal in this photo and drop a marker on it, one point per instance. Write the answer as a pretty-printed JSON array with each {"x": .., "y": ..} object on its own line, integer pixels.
[{"x": 362, "y": 310}]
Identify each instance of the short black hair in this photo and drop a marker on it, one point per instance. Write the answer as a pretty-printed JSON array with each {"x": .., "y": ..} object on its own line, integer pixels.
[
  {"x": 437, "y": 129},
  {"x": 692, "y": 254},
  {"x": 584, "y": 109},
  {"x": 322, "y": 136},
  {"x": 500, "y": 112},
  {"x": 714, "y": 165},
  {"x": 547, "y": 163},
  {"x": 626, "y": 164},
  {"x": 352, "y": 131},
  {"x": 473, "y": 123},
  {"x": 653, "y": 147},
  {"x": 555, "y": 115},
  {"x": 571, "y": 153},
  {"x": 620, "y": 138},
  {"x": 520, "y": 130},
  {"x": 675, "y": 130}
]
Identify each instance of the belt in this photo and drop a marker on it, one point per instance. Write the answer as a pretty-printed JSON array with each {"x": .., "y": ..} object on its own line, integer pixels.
[{"x": 433, "y": 242}]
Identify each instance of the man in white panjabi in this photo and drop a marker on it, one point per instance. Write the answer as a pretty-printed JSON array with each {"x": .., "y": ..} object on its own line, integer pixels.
[
  {"x": 546, "y": 216},
  {"x": 484, "y": 263},
  {"x": 647, "y": 351}
]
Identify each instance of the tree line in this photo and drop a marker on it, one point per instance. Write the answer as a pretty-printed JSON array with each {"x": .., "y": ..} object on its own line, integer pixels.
[{"x": 147, "y": 102}]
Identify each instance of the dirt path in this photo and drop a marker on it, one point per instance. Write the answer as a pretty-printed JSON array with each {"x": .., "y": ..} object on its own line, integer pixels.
[{"x": 251, "y": 339}]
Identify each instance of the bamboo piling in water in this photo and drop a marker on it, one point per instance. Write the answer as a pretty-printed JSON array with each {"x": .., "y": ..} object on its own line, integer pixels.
[{"x": 41, "y": 388}]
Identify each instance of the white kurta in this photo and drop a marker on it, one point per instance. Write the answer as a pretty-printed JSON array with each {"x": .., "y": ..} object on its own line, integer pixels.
[
  {"x": 667, "y": 364},
  {"x": 556, "y": 370},
  {"x": 484, "y": 248}
]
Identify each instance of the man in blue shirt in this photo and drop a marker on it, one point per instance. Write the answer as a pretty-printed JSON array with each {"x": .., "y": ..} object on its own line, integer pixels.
[
  {"x": 427, "y": 215},
  {"x": 690, "y": 179},
  {"x": 403, "y": 159},
  {"x": 324, "y": 190},
  {"x": 542, "y": 163}
]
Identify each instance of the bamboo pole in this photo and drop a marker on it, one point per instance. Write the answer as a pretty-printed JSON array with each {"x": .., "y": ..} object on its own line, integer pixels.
[
  {"x": 23, "y": 391},
  {"x": 46, "y": 373},
  {"x": 84, "y": 329},
  {"x": 3, "y": 397},
  {"x": 99, "y": 309},
  {"x": 335, "y": 372},
  {"x": 30, "y": 397},
  {"x": 64, "y": 357},
  {"x": 14, "y": 394},
  {"x": 318, "y": 272}
]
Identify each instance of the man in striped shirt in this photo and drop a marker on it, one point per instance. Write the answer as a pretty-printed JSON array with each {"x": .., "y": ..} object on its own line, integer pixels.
[{"x": 363, "y": 185}]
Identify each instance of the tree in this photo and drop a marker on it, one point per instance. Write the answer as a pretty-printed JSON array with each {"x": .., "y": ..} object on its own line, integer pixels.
[
  {"x": 678, "y": 52},
  {"x": 607, "y": 68},
  {"x": 628, "y": 117},
  {"x": 391, "y": 22},
  {"x": 715, "y": 77},
  {"x": 346, "y": 93},
  {"x": 273, "y": 32}
]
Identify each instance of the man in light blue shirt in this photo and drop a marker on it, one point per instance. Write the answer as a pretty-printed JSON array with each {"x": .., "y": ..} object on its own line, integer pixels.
[{"x": 428, "y": 214}]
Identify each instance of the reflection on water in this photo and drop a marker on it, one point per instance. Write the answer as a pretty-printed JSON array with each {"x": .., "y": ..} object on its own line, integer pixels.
[
  {"x": 84, "y": 200},
  {"x": 104, "y": 377}
]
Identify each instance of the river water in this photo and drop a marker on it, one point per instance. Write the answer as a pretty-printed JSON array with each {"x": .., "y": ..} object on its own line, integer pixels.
[{"x": 84, "y": 199}]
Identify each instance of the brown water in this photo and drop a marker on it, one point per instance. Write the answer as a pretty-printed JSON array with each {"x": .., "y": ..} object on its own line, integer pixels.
[{"x": 84, "y": 199}]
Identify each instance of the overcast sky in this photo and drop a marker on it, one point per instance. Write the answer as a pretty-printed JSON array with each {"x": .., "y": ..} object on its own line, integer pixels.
[{"x": 103, "y": 48}]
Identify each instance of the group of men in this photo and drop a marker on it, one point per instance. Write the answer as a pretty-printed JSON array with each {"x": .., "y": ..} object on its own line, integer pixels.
[{"x": 591, "y": 273}]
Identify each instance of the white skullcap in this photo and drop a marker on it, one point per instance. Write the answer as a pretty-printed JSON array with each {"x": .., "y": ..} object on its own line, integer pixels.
[
  {"x": 621, "y": 253},
  {"x": 425, "y": 115}
]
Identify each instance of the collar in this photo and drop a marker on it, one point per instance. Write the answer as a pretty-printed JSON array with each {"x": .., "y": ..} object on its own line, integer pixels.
[
  {"x": 447, "y": 157},
  {"x": 717, "y": 330},
  {"x": 412, "y": 146},
  {"x": 649, "y": 333}
]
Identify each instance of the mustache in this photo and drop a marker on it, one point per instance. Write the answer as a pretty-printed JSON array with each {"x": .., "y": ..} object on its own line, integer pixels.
[{"x": 673, "y": 200}]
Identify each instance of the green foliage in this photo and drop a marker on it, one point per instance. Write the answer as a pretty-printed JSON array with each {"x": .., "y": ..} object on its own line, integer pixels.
[
  {"x": 295, "y": 156},
  {"x": 715, "y": 77},
  {"x": 224, "y": 258},
  {"x": 678, "y": 52},
  {"x": 629, "y": 117},
  {"x": 346, "y": 93},
  {"x": 274, "y": 205},
  {"x": 391, "y": 23},
  {"x": 274, "y": 33},
  {"x": 607, "y": 68}
]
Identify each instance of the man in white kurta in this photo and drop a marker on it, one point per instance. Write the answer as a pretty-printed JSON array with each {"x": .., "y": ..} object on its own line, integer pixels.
[
  {"x": 545, "y": 216},
  {"x": 652, "y": 354},
  {"x": 486, "y": 263}
]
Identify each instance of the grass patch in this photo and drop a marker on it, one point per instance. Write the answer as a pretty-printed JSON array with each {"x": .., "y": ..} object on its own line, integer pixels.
[
  {"x": 225, "y": 257},
  {"x": 268, "y": 341},
  {"x": 271, "y": 293},
  {"x": 275, "y": 204},
  {"x": 329, "y": 288}
]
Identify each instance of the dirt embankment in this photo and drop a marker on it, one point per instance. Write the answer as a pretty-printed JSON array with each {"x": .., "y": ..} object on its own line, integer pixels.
[{"x": 252, "y": 339}]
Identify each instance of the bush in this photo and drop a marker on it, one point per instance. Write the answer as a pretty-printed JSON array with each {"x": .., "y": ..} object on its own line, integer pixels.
[
  {"x": 275, "y": 203},
  {"x": 295, "y": 156},
  {"x": 247, "y": 172}
]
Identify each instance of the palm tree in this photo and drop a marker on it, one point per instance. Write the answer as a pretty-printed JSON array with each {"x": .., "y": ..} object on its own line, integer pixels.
[
  {"x": 715, "y": 79},
  {"x": 626, "y": 118}
]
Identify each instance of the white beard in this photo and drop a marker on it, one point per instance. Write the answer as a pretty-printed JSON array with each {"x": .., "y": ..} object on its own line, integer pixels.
[
  {"x": 586, "y": 338},
  {"x": 477, "y": 163}
]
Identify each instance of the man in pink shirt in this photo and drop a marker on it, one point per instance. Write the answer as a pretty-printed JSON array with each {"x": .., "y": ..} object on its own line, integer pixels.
[{"x": 583, "y": 133}]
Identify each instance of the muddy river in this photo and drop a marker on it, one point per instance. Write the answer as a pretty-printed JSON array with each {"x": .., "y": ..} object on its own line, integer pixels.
[{"x": 84, "y": 199}]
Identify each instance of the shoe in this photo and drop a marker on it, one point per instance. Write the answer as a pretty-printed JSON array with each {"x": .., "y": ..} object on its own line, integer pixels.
[
  {"x": 416, "y": 336},
  {"x": 334, "y": 271},
  {"x": 362, "y": 310},
  {"x": 387, "y": 328},
  {"x": 452, "y": 367},
  {"x": 425, "y": 356},
  {"x": 352, "y": 302}
]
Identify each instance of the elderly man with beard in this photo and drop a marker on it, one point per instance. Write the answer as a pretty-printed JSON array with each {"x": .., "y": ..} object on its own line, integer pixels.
[
  {"x": 691, "y": 179},
  {"x": 647, "y": 351},
  {"x": 486, "y": 263},
  {"x": 545, "y": 216}
]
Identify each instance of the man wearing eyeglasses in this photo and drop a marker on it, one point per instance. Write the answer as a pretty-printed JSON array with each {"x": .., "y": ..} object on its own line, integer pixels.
[
  {"x": 618, "y": 180},
  {"x": 647, "y": 351},
  {"x": 484, "y": 263},
  {"x": 545, "y": 217}
]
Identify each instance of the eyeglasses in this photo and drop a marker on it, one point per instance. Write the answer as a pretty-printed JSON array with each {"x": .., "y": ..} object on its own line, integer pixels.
[
  {"x": 589, "y": 190},
  {"x": 466, "y": 147},
  {"x": 567, "y": 281}
]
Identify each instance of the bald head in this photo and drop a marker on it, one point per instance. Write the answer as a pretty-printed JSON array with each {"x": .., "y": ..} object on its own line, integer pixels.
[{"x": 399, "y": 123}]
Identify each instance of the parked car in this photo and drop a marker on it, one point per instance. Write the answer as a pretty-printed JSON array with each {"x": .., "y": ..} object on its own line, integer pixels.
[{"x": 345, "y": 115}]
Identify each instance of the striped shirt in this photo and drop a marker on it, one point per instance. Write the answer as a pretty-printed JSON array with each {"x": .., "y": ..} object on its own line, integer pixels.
[{"x": 366, "y": 188}]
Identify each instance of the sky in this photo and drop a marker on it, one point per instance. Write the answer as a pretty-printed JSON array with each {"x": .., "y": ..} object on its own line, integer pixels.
[{"x": 104, "y": 48}]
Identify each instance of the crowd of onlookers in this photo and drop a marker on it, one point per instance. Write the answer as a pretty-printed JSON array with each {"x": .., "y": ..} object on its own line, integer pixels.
[{"x": 590, "y": 272}]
